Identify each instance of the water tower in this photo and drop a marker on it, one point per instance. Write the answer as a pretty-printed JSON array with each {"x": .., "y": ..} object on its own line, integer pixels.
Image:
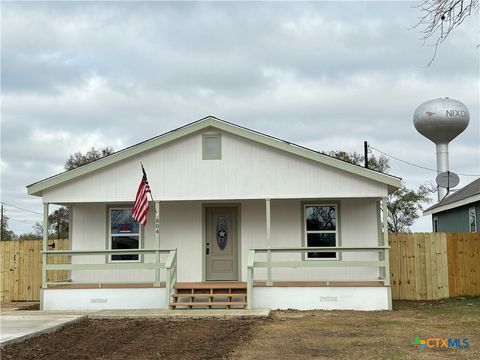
[{"x": 441, "y": 120}]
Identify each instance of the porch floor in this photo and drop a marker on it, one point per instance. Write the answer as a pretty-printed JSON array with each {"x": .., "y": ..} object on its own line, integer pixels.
[
  {"x": 321, "y": 284},
  {"x": 104, "y": 286},
  {"x": 221, "y": 284}
]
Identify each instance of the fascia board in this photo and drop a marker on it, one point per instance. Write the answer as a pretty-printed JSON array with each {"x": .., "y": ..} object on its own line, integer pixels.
[
  {"x": 453, "y": 205},
  {"x": 37, "y": 188},
  {"x": 311, "y": 155}
]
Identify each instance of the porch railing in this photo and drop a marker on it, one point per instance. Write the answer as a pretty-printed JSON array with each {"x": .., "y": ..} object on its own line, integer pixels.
[
  {"x": 382, "y": 263},
  {"x": 170, "y": 266}
]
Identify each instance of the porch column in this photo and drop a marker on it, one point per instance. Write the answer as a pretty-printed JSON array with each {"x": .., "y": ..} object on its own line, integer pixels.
[
  {"x": 45, "y": 245},
  {"x": 157, "y": 243},
  {"x": 381, "y": 240},
  {"x": 386, "y": 252},
  {"x": 269, "y": 242}
]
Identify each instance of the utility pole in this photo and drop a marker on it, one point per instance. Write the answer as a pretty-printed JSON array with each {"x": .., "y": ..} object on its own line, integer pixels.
[{"x": 365, "y": 149}]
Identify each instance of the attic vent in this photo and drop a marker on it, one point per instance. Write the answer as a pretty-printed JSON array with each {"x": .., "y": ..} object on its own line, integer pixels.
[{"x": 212, "y": 147}]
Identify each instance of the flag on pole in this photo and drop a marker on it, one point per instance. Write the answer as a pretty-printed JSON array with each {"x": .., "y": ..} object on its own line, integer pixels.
[{"x": 140, "y": 208}]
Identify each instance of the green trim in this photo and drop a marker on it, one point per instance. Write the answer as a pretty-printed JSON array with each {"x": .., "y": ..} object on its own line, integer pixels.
[
  {"x": 109, "y": 266},
  {"x": 319, "y": 264},
  {"x": 38, "y": 187},
  {"x": 104, "y": 252},
  {"x": 319, "y": 249}
]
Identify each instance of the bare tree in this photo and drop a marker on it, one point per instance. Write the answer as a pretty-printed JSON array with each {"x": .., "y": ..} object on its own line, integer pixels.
[
  {"x": 404, "y": 204},
  {"x": 379, "y": 164},
  {"x": 59, "y": 219},
  {"x": 78, "y": 159},
  {"x": 440, "y": 17}
]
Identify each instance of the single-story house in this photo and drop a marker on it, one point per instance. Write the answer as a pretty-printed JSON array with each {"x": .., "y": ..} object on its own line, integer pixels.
[
  {"x": 458, "y": 212},
  {"x": 237, "y": 219}
]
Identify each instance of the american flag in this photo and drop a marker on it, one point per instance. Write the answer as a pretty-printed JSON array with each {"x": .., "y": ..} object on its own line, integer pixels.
[{"x": 140, "y": 208}]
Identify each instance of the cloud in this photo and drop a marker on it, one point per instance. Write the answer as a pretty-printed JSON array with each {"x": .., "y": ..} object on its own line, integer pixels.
[{"x": 326, "y": 75}]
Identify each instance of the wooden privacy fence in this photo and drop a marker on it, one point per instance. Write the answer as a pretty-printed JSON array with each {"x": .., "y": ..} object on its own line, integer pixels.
[
  {"x": 21, "y": 269},
  {"x": 431, "y": 266}
]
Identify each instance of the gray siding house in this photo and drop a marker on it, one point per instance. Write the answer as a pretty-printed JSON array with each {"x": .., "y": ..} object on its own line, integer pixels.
[{"x": 459, "y": 212}]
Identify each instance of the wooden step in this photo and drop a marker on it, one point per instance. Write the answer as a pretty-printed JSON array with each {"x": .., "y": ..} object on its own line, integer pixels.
[
  {"x": 212, "y": 285},
  {"x": 210, "y": 294},
  {"x": 180, "y": 295},
  {"x": 226, "y": 304}
]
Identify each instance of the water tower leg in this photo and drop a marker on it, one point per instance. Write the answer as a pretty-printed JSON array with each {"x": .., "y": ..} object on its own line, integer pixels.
[{"x": 442, "y": 166}]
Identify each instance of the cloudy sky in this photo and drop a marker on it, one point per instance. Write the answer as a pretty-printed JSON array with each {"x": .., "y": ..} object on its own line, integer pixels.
[{"x": 326, "y": 75}]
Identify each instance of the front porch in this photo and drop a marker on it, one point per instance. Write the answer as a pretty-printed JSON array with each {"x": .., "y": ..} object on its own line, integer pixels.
[
  {"x": 352, "y": 272},
  {"x": 272, "y": 293}
]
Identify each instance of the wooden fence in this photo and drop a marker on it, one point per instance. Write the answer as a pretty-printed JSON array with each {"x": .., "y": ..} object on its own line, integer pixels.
[
  {"x": 431, "y": 266},
  {"x": 21, "y": 269}
]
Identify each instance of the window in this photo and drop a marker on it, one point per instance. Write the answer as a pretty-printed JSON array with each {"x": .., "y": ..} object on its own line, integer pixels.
[
  {"x": 124, "y": 233},
  {"x": 472, "y": 219},
  {"x": 321, "y": 229},
  {"x": 435, "y": 224},
  {"x": 212, "y": 147}
]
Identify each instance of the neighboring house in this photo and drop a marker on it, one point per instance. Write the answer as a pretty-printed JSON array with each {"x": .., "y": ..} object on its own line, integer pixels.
[
  {"x": 239, "y": 212},
  {"x": 458, "y": 212}
]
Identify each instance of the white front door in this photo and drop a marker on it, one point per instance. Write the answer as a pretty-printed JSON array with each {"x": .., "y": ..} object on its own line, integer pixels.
[{"x": 221, "y": 247}]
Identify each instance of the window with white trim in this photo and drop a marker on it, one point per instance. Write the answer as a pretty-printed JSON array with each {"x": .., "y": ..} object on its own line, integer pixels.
[
  {"x": 124, "y": 233},
  {"x": 321, "y": 229},
  {"x": 472, "y": 219}
]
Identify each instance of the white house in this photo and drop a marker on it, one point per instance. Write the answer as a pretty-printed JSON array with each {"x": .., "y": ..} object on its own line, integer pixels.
[{"x": 244, "y": 219}]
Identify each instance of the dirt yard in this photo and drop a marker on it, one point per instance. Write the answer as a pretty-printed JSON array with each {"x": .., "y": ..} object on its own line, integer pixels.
[{"x": 286, "y": 335}]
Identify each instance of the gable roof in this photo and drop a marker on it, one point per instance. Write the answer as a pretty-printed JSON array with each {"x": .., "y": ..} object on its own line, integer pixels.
[
  {"x": 37, "y": 188},
  {"x": 466, "y": 195}
]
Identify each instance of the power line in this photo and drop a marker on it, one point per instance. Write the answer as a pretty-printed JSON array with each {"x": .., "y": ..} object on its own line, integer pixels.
[
  {"x": 16, "y": 207},
  {"x": 412, "y": 164},
  {"x": 23, "y": 221}
]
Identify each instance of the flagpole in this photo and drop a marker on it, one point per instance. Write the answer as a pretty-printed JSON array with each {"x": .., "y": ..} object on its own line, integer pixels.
[
  {"x": 157, "y": 233},
  {"x": 143, "y": 170}
]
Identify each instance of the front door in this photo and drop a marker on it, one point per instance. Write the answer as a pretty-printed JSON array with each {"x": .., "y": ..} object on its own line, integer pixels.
[{"x": 221, "y": 243}]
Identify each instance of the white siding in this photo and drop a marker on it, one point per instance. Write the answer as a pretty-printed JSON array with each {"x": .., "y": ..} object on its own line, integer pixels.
[
  {"x": 248, "y": 170},
  {"x": 181, "y": 227}
]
